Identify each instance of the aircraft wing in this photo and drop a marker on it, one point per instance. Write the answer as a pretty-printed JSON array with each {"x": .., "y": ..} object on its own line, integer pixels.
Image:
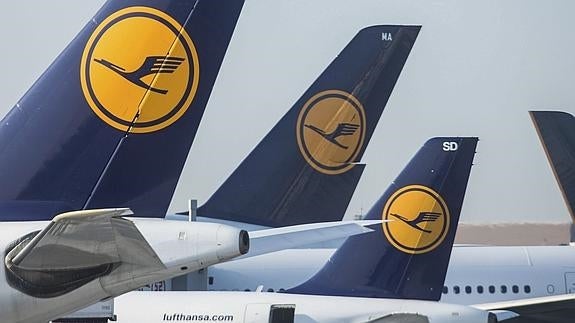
[
  {"x": 271, "y": 240},
  {"x": 550, "y": 309},
  {"x": 75, "y": 248},
  {"x": 84, "y": 239}
]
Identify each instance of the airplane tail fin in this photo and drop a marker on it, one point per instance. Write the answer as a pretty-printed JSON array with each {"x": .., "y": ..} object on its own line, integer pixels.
[
  {"x": 306, "y": 169},
  {"x": 556, "y": 130},
  {"x": 111, "y": 121},
  {"x": 407, "y": 257}
]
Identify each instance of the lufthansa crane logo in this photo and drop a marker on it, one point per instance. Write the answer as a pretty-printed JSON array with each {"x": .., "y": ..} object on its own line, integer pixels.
[
  {"x": 140, "y": 70},
  {"x": 419, "y": 219},
  {"x": 331, "y": 130}
]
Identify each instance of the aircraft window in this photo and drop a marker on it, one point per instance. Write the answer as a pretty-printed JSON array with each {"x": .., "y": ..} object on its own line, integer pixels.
[
  {"x": 527, "y": 289},
  {"x": 211, "y": 280},
  {"x": 491, "y": 289},
  {"x": 480, "y": 289},
  {"x": 445, "y": 289},
  {"x": 468, "y": 289},
  {"x": 515, "y": 289},
  {"x": 503, "y": 289},
  {"x": 456, "y": 289}
]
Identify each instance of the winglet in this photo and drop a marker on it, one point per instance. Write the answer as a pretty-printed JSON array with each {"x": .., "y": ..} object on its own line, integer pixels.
[{"x": 96, "y": 214}]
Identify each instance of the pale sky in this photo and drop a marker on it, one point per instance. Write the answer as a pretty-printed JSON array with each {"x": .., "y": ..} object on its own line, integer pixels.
[{"x": 475, "y": 70}]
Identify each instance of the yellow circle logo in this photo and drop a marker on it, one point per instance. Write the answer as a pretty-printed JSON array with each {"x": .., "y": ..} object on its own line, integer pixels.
[
  {"x": 331, "y": 130},
  {"x": 140, "y": 70},
  {"x": 419, "y": 219}
]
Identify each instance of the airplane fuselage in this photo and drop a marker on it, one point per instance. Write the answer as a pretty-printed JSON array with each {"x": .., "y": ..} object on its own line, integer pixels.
[
  {"x": 144, "y": 307},
  {"x": 476, "y": 274}
]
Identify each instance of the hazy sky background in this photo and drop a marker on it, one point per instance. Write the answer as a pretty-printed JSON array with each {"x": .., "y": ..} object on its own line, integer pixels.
[{"x": 475, "y": 70}]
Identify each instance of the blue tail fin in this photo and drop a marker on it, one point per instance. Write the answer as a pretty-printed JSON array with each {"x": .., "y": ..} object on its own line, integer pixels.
[
  {"x": 305, "y": 170},
  {"x": 111, "y": 121},
  {"x": 556, "y": 131},
  {"x": 407, "y": 257}
]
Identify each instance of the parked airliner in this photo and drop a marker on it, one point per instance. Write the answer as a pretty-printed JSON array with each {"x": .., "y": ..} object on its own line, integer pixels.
[
  {"x": 477, "y": 274},
  {"x": 83, "y": 162},
  {"x": 343, "y": 106},
  {"x": 397, "y": 261},
  {"x": 400, "y": 260}
]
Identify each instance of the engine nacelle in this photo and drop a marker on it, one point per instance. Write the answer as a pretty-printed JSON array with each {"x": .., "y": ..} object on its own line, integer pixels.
[{"x": 63, "y": 272}]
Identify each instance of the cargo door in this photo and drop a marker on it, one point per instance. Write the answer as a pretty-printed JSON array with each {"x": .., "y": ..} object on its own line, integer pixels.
[
  {"x": 257, "y": 313},
  {"x": 570, "y": 283}
]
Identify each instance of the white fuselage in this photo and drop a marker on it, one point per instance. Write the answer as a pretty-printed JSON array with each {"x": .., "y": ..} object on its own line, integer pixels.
[
  {"x": 481, "y": 274},
  {"x": 146, "y": 307},
  {"x": 180, "y": 248}
]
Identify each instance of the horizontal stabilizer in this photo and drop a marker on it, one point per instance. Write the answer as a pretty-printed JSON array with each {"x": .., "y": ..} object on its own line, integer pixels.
[{"x": 271, "y": 240}]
